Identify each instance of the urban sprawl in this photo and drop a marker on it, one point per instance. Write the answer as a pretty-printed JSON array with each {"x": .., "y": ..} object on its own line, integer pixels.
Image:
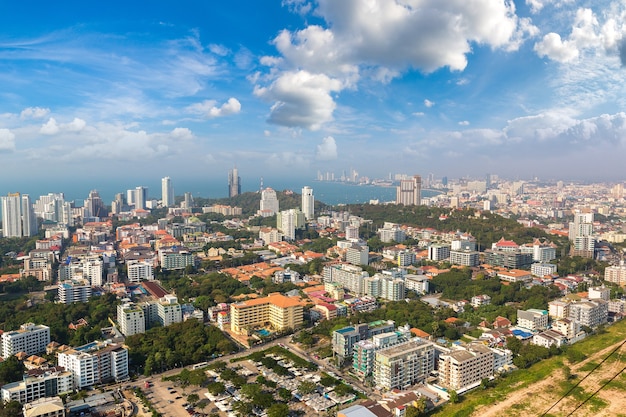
[{"x": 275, "y": 304}]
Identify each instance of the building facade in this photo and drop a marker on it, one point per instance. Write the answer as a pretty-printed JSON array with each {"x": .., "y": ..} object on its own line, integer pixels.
[{"x": 30, "y": 338}]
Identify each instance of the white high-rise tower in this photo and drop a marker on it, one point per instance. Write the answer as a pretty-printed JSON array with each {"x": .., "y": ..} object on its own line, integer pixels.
[
  {"x": 29, "y": 221},
  {"x": 167, "y": 192},
  {"x": 11, "y": 215},
  {"x": 308, "y": 203}
]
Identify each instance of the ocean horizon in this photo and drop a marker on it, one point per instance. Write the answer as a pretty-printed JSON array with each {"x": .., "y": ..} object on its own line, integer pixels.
[{"x": 331, "y": 193}]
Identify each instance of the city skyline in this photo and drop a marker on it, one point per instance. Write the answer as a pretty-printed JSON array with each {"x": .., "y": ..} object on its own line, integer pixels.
[{"x": 523, "y": 88}]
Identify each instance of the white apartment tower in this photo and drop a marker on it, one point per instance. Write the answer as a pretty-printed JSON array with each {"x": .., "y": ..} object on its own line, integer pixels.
[
  {"x": 11, "y": 215},
  {"x": 29, "y": 221},
  {"x": 269, "y": 202},
  {"x": 167, "y": 192},
  {"x": 30, "y": 338},
  {"x": 308, "y": 203},
  {"x": 409, "y": 191},
  {"x": 131, "y": 319}
]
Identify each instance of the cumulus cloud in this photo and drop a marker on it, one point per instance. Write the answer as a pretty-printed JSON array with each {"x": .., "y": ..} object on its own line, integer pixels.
[
  {"x": 301, "y": 99},
  {"x": 181, "y": 133},
  {"x": 50, "y": 127},
  {"x": 428, "y": 103},
  {"x": 209, "y": 108},
  {"x": 551, "y": 46},
  {"x": 418, "y": 113},
  {"x": 327, "y": 150},
  {"x": 464, "y": 123},
  {"x": 380, "y": 41},
  {"x": 7, "y": 140},
  {"x": 587, "y": 34},
  {"x": 75, "y": 125},
  {"x": 34, "y": 113}
]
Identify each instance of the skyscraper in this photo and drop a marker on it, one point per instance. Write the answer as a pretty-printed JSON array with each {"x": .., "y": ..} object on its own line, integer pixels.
[
  {"x": 141, "y": 196},
  {"x": 308, "y": 202},
  {"x": 29, "y": 221},
  {"x": 409, "y": 191},
  {"x": 234, "y": 183},
  {"x": 11, "y": 215},
  {"x": 94, "y": 206},
  {"x": 167, "y": 192},
  {"x": 269, "y": 202}
]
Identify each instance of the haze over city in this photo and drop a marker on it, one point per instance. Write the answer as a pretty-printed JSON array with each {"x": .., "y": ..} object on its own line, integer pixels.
[{"x": 121, "y": 90}]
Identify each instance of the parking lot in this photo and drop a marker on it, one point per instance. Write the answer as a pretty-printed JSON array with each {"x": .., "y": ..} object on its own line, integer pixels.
[{"x": 168, "y": 398}]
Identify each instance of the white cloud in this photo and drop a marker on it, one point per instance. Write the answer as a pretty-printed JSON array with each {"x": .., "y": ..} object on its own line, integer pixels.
[
  {"x": 181, "y": 133},
  {"x": 7, "y": 141},
  {"x": 50, "y": 127},
  {"x": 220, "y": 50},
  {"x": 327, "y": 150},
  {"x": 380, "y": 40},
  {"x": 209, "y": 108},
  {"x": 301, "y": 99},
  {"x": 553, "y": 47},
  {"x": 75, "y": 125},
  {"x": 232, "y": 106},
  {"x": 428, "y": 103},
  {"x": 34, "y": 113},
  {"x": 267, "y": 133},
  {"x": 464, "y": 123},
  {"x": 418, "y": 113}
]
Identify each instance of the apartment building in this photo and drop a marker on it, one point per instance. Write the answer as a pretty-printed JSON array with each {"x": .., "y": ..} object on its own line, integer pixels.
[
  {"x": 276, "y": 310},
  {"x": 95, "y": 363},
  {"x": 131, "y": 319},
  {"x": 590, "y": 313},
  {"x": 74, "y": 291},
  {"x": 38, "y": 383},
  {"x": 30, "y": 338},
  {"x": 461, "y": 368},
  {"x": 404, "y": 364},
  {"x": 532, "y": 319},
  {"x": 344, "y": 339}
]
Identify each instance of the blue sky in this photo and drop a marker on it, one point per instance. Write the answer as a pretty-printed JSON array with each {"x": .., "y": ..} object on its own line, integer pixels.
[{"x": 284, "y": 89}]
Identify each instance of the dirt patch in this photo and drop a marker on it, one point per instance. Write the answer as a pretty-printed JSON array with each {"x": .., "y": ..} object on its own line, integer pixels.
[{"x": 537, "y": 398}]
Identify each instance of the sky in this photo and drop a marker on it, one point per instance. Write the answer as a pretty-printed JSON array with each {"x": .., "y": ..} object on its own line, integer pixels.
[{"x": 189, "y": 89}]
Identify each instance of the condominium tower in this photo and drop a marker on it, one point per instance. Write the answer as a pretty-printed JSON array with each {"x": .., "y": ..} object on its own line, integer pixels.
[
  {"x": 234, "y": 183},
  {"x": 167, "y": 192},
  {"x": 308, "y": 202},
  {"x": 409, "y": 191}
]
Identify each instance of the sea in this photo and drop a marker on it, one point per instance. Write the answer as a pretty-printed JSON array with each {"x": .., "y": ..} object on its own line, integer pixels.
[{"x": 331, "y": 193}]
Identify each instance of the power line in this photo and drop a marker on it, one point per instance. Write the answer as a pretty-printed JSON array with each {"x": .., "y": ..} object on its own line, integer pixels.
[
  {"x": 585, "y": 377},
  {"x": 597, "y": 391}
]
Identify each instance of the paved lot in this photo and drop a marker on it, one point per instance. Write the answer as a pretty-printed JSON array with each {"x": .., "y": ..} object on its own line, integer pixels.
[{"x": 165, "y": 401}]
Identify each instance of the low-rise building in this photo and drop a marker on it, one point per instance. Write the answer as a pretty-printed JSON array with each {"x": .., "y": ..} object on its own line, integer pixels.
[
  {"x": 276, "y": 310},
  {"x": 533, "y": 319},
  {"x": 38, "y": 383}
]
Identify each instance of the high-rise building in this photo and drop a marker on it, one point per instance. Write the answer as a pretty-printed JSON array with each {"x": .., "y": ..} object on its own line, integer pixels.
[
  {"x": 234, "y": 183},
  {"x": 287, "y": 221},
  {"x": 167, "y": 192},
  {"x": 409, "y": 191},
  {"x": 141, "y": 196},
  {"x": 29, "y": 221},
  {"x": 269, "y": 203},
  {"x": 94, "y": 206},
  {"x": 12, "y": 215},
  {"x": 308, "y": 203}
]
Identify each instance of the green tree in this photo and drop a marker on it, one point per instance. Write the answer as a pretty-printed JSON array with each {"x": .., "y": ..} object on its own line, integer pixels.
[
  {"x": 11, "y": 370},
  {"x": 278, "y": 410},
  {"x": 216, "y": 388},
  {"x": 306, "y": 387},
  {"x": 454, "y": 397},
  {"x": 193, "y": 398}
]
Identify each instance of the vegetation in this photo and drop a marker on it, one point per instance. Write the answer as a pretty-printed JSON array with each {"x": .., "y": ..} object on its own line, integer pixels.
[
  {"x": 58, "y": 317},
  {"x": 11, "y": 370},
  {"x": 178, "y": 344}
]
